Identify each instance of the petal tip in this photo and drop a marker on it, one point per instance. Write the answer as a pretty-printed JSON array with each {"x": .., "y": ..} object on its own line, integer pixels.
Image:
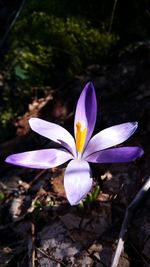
[
  {"x": 89, "y": 86},
  {"x": 141, "y": 152},
  {"x": 73, "y": 199},
  {"x": 6, "y": 160},
  {"x": 135, "y": 126},
  {"x": 135, "y": 123},
  {"x": 9, "y": 160},
  {"x": 72, "y": 202},
  {"x": 31, "y": 120}
]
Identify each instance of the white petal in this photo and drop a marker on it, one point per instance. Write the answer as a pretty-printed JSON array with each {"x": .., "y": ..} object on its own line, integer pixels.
[
  {"x": 54, "y": 132},
  {"x": 111, "y": 136},
  {"x": 40, "y": 159},
  {"x": 77, "y": 180}
]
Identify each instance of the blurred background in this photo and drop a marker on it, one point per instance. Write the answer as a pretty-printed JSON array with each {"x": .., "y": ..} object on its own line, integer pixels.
[
  {"x": 49, "y": 50},
  {"x": 45, "y": 44}
]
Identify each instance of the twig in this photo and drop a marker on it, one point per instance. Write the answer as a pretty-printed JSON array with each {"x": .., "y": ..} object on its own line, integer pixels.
[
  {"x": 120, "y": 246},
  {"x": 139, "y": 255},
  {"x": 112, "y": 16},
  {"x": 37, "y": 177},
  {"x": 12, "y": 23},
  {"x": 31, "y": 247},
  {"x": 33, "y": 244},
  {"x": 51, "y": 257}
]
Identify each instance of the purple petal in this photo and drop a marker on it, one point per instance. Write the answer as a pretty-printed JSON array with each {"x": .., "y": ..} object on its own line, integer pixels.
[
  {"x": 86, "y": 110},
  {"x": 77, "y": 180},
  {"x": 111, "y": 136},
  {"x": 114, "y": 155},
  {"x": 40, "y": 159},
  {"x": 54, "y": 132}
]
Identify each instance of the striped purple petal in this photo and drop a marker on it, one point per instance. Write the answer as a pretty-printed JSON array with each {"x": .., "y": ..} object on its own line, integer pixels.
[
  {"x": 116, "y": 155},
  {"x": 40, "y": 159},
  {"x": 86, "y": 111},
  {"x": 111, "y": 136},
  {"x": 54, "y": 132},
  {"x": 77, "y": 180}
]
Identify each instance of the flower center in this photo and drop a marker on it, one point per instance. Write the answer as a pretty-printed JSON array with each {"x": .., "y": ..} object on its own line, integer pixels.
[{"x": 80, "y": 137}]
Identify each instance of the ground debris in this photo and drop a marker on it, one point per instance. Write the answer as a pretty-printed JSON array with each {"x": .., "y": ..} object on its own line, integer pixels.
[{"x": 64, "y": 235}]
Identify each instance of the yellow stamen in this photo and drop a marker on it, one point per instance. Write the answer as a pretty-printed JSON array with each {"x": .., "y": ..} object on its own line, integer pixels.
[{"x": 80, "y": 137}]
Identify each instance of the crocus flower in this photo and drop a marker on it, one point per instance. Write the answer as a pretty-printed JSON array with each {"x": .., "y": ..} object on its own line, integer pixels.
[{"x": 81, "y": 149}]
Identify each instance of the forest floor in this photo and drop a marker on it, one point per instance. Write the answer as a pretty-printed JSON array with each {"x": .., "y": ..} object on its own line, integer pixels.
[{"x": 38, "y": 227}]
